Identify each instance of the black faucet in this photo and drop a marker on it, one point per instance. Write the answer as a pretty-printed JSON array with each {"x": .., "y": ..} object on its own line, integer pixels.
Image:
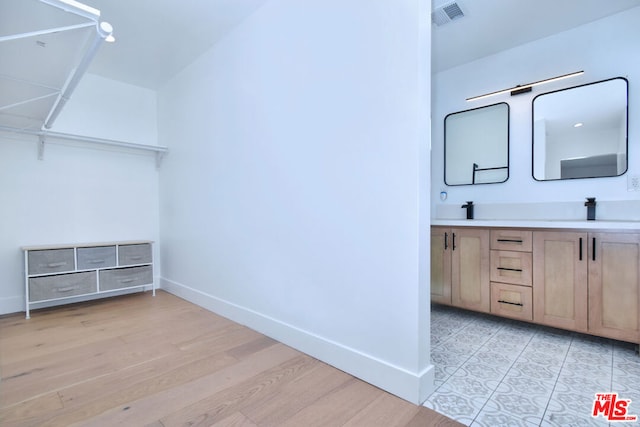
[
  {"x": 469, "y": 207},
  {"x": 591, "y": 208}
]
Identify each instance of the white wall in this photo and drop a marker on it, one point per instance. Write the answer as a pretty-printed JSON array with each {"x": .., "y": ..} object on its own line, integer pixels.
[
  {"x": 295, "y": 197},
  {"x": 78, "y": 193},
  {"x": 603, "y": 49},
  {"x": 104, "y": 108}
]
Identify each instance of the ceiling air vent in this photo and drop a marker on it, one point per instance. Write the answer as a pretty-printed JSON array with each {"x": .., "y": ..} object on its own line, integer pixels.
[{"x": 446, "y": 13}]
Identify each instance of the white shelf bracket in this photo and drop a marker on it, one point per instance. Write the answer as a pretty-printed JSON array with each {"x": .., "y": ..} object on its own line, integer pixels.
[
  {"x": 41, "y": 147},
  {"x": 159, "y": 157}
]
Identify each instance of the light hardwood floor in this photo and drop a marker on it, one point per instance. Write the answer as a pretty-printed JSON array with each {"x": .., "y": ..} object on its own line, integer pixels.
[{"x": 143, "y": 361}]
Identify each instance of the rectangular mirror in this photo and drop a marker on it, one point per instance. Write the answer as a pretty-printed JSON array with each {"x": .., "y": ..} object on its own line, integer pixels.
[
  {"x": 581, "y": 132},
  {"x": 476, "y": 145}
]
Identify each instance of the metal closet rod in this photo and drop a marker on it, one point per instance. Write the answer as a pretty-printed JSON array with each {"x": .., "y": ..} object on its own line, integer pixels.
[{"x": 103, "y": 30}]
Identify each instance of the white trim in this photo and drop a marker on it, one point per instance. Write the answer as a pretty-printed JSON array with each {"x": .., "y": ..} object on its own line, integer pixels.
[{"x": 413, "y": 387}]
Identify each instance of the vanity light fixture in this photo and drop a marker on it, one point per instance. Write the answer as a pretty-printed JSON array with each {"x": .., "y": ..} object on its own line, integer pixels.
[{"x": 517, "y": 90}]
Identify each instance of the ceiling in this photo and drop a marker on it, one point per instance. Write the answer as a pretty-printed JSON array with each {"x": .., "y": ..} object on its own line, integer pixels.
[
  {"x": 491, "y": 26},
  {"x": 34, "y": 68},
  {"x": 155, "y": 39}
]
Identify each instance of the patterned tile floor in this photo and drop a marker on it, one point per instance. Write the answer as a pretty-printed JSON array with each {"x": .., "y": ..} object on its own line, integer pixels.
[{"x": 491, "y": 371}]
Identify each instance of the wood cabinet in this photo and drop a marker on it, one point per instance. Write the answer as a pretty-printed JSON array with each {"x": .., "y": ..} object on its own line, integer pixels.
[
  {"x": 560, "y": 279},
  {"x": 56, "y": 274},
  {"x": 460, "y": 267},
  {"x": 588, "y": 282},
  {"x": 513, "y": 301},
  {"x": 511, "y": 273},
  {"x": 580, "y": 280},
  {"x": 614, "y": 285},
  {"x": 440, "y": 265},
  {"x": 470, "y": 269}
]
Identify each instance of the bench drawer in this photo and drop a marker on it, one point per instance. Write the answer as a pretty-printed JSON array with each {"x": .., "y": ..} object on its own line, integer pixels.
[
  {"x": 134, "y": 254},
  {"x": 62, "y": 285},
  {"x": 51, "y": 261},
  {"x": 120, "y": 278},
  {"x": 96, "y": 257}
]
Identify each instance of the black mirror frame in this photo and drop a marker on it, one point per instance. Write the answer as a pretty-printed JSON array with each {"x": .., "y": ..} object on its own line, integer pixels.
[
  {"x": 575, "y": 87},
  {"x": 475, "y": 168}
]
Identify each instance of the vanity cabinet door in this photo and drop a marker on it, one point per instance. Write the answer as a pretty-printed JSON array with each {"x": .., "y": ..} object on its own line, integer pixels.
[
  {"x": 441, "y": 265},
  {"x": 560, "y": 279},
  {"x": 470, "y": 286},
  {"x": 614, "y": 285}
]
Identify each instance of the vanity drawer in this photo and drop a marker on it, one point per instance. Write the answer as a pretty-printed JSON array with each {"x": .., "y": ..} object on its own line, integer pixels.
[
  {"x": 62, "y": 285},
  {"x": 126, "y": 277},
  {"x": 51, "y": 261},
  {"x": 134, "y": 254},
  {"x": 512, "y": 301},
  {"x": 511, "y": 267},
  {"x": 512, "y": 240},
  {"x": 96, "y": 257}
]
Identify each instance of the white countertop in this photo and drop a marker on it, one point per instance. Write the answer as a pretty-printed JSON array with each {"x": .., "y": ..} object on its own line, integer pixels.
[{"x": 524, "y": 223}]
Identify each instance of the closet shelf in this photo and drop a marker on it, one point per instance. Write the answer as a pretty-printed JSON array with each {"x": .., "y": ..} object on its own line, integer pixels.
[
  {"x": 46, "y": 47},
  {"x": 43, "y": 135}
]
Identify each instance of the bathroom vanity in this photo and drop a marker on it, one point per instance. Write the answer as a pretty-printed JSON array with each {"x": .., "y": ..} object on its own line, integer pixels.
[
  {"x": 575, "y": 275},
  {"x": 578, "y": 275}
]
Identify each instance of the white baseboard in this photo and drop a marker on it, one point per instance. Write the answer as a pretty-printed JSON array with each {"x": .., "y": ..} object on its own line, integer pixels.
[{"x": 413, "y": 387}]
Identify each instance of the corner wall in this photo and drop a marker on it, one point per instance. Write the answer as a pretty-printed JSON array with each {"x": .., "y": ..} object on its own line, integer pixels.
[
  {"x": 295, "y": 198},
  {"x": 79, "y": 192}
]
